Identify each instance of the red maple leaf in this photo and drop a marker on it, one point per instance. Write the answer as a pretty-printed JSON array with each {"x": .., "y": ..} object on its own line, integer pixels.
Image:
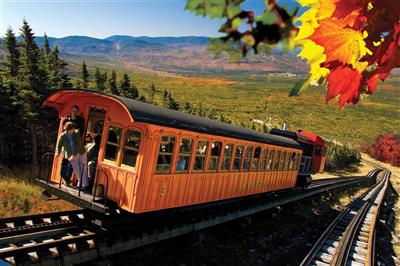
[{"x": 344, "y": 81}]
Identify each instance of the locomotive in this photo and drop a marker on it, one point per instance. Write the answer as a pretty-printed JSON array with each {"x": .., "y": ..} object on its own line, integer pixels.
[{"x": 152, "y": 158}]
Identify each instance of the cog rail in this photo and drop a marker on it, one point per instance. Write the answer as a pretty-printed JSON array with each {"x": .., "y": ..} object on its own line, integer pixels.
[{"x": 349, "y": 239}]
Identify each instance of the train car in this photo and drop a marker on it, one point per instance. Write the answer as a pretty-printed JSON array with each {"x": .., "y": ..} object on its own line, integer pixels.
[
  {"x": 153, "y": 158},
  {"x": 314, "y": 150}
]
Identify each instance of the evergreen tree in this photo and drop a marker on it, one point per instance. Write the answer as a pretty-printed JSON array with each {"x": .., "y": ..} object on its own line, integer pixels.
[
  {"x": 152, "y": 93},
  {"x": 187, "y": 108},
  {"x": 58, "y": 78},
  {"x": 32, "y": 89},
  {"x": 85, "y": 75},
  {"x": 100, "y": 79},
  {"x": 8, "y": 93},
  {"x": 112, "y": 83},
  {"x": 165, "y": 98},
  {"x": 12, "y": 62},
  {"x": 172, "y": 103},
  {"x": 46, "y": 46},
  {"x": 127, "y": 89}
]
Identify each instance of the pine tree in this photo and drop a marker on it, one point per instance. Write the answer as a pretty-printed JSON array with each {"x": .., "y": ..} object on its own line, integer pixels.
[
  {"x": 165, "y": 98},
  {"x": 100, "y": 79},
  {"x": 112, "y": 83},
  {"x": 46, "y": 46},
  {"x": 12, "y": 62},
  {"x": 85, "y": 75},
  {"x": 127, "y": 89},
  {"x": 32, "y": 89},
  {"x": 187, "y": 108},
  {"x": 152, "y": 93},
  {"x": 58, "y": 78},
  {"x": 172, "y": 103},
  {"x": 9, "y": 85}
]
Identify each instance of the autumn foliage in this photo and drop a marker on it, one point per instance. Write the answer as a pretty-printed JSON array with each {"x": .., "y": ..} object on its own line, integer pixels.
[
  {"x": 350, "y": 44},
  {"x": 385, "y": 149}
]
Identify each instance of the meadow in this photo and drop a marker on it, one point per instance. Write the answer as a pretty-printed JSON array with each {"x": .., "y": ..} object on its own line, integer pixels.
[{"x": 242, "y": 98}]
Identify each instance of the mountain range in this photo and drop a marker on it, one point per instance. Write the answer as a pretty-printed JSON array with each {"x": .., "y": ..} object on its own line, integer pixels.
[{"x": 169, "y": 55}]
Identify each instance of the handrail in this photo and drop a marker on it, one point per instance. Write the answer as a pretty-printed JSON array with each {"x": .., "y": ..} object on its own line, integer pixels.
[{"x": 47, "y": 154}]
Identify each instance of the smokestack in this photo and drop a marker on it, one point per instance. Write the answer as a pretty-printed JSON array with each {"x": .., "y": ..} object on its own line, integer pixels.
[{"x": 285, "y": 126}]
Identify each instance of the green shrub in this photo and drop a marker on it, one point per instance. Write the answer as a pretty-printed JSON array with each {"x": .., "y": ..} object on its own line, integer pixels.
[{"x": 341, "y": 157}]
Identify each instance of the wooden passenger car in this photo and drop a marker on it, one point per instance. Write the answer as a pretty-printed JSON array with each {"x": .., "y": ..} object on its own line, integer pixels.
[{"x": 152, "y": 158}]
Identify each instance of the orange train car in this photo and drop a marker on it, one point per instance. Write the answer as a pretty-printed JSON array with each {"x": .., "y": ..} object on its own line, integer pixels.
[{"x": 153, "y": 158}]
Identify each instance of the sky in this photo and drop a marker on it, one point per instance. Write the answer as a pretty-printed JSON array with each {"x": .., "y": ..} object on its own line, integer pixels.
[{"x": 103, "y": 18}]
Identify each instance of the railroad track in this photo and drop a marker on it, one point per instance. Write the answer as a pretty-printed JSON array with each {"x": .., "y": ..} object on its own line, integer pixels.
[
  {"x": 79, "y": 236},
  {"x": 349, "y": 239},
  {"x": 28, "y": 238}
]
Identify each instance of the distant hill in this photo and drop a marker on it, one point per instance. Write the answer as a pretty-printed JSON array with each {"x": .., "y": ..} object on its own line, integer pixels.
[{"x": 175, "y": 55}]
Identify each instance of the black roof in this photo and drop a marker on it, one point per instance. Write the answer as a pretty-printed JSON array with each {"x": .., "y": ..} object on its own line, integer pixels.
[
  {"x": 288, "y": 134},
  {"x": 152, "y": 114}
]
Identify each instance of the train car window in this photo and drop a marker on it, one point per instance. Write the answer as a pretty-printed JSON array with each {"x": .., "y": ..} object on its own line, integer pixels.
[
  {"x": 297, "y": 162},
  {"x": 185, "y": 149},
  {"x": 270, "y": 160},
  {"x": 201, "y": 153},
  {"x": 216, "y": 148},
  {"x": 238, "y": 158},
  {"x": 164, "y": 160},
  {"x": 131, "y": 148},
  {"x": 263, "y": 162},
  {"x": 282, "y": 160},
  {"x": 247, "y": 158},
  {"x": 287, "y": 161},
  {"x": 256, "y": 159},
  {"x": 292, "y": 161},
  {"x": 276, "y": 160},
  {"x": 228, "y": 152},
  {"x": 112, "y": 144}
]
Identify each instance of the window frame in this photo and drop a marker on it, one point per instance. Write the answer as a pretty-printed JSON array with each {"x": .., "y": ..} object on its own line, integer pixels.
[
  {"x": 223, "y": 157},
  {"x": 244, "y": 157},
  {"x": 176, "y": 160},
  {"x": 263, "y": 159},
  {"x": 125, "y": 133},
  {"x": 252, "y": 158},
  {"x": 211, "y": 156},
  {"x": 205, "y": 168},
  {"x": 117, "y": 161},
  {"x": 173, "y": 154}
]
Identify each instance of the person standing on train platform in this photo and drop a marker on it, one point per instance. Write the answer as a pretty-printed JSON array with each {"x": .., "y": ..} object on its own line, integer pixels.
[
  {"x": 66, "y": 167},
  {"x": 70, "y": 141}
]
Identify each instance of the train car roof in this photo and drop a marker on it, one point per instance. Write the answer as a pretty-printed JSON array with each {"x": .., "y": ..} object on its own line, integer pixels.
[
  {"x": 152, "y": 114},
  {"x": 312, "y": 137}
]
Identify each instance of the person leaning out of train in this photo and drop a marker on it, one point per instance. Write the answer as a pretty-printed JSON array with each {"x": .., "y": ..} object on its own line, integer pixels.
[
  {"x": 75, "y": 118},
  {"x": 66, "y": 167},
  {"x": 70, "y": 141}
]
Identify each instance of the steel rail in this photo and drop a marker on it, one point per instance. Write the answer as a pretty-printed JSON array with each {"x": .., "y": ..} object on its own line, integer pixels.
[
  {"x": 19, "y": 226},
  {"x": 338, "y": 241}
]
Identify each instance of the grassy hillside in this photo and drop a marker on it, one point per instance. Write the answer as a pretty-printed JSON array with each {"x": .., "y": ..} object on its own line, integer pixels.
[
  {"x": 242, "y": 98},
  {"x": 19, "y": 197}
]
